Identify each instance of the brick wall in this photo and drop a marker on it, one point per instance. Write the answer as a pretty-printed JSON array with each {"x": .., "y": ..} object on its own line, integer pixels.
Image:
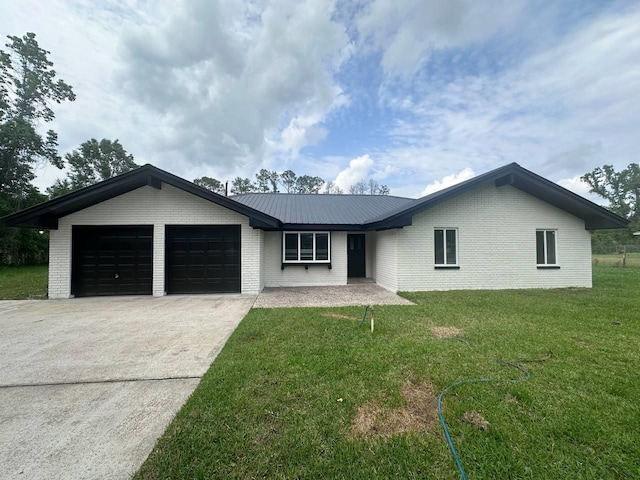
[
  {"x": 149, "y": 206},
  {"x": 296, "y": 275},
  {"x": 496, "y": 244},
  {"x": 386, "y": 259}
]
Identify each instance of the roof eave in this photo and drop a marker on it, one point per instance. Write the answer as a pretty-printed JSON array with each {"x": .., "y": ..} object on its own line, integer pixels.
[
  {"x": 41, "y": 215},
  {"x": 595, "y": 216}
]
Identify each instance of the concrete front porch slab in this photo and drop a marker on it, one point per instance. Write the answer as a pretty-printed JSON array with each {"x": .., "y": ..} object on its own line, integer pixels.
[{"x": 336, "y": 296}]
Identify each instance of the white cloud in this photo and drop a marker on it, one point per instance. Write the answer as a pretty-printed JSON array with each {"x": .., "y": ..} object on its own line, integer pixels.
[
  {"x": 358, "y": 169},
  {"x": 408, "y": 31},
  {"x": 560, "y": 112},
  {"x": 237, "y": 79},
  {"x": 581, "y": 188},
  {"x": 192, "y": 84},
  {"x": 426, "y": 88},
  {"x": 448, "y": 181}
]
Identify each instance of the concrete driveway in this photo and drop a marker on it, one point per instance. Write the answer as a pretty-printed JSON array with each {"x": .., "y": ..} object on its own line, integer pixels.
[{"x": 88, "y": 385}]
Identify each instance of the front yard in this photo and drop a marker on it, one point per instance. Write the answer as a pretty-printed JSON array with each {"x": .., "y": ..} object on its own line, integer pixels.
[
  {"x": 23, "y": 283},
  {"x": 304, "y": 393}
]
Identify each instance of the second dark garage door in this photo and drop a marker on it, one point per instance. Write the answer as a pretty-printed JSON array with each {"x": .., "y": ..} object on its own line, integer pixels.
[{"x": 202, "y": 259}]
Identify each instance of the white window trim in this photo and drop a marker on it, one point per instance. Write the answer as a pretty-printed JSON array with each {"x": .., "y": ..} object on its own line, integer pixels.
[
  {"x": 328, "y": 260},
  {"x": 544, "y": 237},
  {"x": 445, "y": 264}
]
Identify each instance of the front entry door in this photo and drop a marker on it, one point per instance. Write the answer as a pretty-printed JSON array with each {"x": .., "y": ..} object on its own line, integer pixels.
[{"x": 355, "y": 255}]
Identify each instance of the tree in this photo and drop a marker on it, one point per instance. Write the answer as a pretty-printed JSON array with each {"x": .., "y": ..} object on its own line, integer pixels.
[
  {"x": 212, "y": 184},
  {"x": 621, "y": 189},
  {"x": 288, "y": 180},
  {"x": 22, "y": 246},
  {"x": 376, "y": 189},
  {"x": 384, "y": 190},
  {"x": 242, "y": 185},
  {"x": 333, "y": 188},
  {"x": 92, "y": 163},
  {"x": 267, "y": 181},
  {"x": 308, "y": 184},
  {"x": 28, "y": 86},
  {"x": 368, "y": 187},
  {"x": 358, "y": 188}
]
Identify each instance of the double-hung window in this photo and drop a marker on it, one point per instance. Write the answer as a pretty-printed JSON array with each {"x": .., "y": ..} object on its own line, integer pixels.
[
  {"x": 546, "y": 248},
  {"x": 446, "y": 247},
  {"x": 306, "y": 247}
]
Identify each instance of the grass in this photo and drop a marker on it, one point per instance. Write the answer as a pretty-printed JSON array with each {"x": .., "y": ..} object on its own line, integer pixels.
[
  {"x": 21, "y": 283},
  {"x": 269, "y": 405},
  {"x": 615, "y": 260}
]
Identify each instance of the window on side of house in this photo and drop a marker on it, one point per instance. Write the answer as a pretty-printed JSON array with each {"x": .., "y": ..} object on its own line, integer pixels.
[
  {"x": 546, "y": 248},
  {"x": 306, "y": 247},
  {"x": 446, "y": 247}
]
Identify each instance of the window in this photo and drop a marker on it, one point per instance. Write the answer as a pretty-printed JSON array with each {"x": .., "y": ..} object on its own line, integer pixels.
[
  {"x": 306, "y": 247},
  {"x": 446, "y": 247},
  {"x": 546, "y": 248}
]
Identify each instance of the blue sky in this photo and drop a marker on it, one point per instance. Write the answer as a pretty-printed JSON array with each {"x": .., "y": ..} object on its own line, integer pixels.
[{"x": 417, "y": 94}]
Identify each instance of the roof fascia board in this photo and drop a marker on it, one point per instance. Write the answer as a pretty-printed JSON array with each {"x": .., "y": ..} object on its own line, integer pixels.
[
  {"x": 142, "y": 176},
  {"x": 511, "y": 174},
  {"x": 600, "y": 214},
  {"x": 311, "y": 227}
]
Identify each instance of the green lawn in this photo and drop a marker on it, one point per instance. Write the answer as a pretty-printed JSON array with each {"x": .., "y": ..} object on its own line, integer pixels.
[
  {"x": 20, "y": 283},
  {"x": 303, "y": 393},
  {"x": 615, "y": 260}
]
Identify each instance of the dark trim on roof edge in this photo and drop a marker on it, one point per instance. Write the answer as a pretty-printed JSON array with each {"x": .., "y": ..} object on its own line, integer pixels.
[
  {"x": 595, "y": 216},
  {"x": 45, "y": 215},
  {"x": 147, "y": 175}
]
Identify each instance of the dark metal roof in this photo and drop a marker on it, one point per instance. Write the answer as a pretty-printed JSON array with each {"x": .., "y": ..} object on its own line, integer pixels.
[
  {"x": 45, "y": 215},
  {"x": 338, "y": 212},
  {"x": 300, "y": 209}
]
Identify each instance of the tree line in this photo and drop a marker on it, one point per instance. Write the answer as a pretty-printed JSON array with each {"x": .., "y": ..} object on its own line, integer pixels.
[{"x": 271, "y": 181}]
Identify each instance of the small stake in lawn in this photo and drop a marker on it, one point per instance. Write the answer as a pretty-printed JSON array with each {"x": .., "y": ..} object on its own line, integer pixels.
[{"x": 364, "y": 316}]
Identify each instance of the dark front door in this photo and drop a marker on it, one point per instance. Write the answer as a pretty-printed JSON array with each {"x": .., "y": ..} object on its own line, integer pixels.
[
  {"x": 203, "y": 259},
  {"x": 113, "y": 260},
  {"x": 355, "y": 255}
]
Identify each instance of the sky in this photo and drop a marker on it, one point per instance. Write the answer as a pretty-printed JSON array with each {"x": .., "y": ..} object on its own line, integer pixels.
[{"x": 416, "y": 94}]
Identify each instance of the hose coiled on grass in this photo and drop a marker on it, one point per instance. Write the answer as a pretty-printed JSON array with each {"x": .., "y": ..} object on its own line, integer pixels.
[{"x": 526, "y": 377}]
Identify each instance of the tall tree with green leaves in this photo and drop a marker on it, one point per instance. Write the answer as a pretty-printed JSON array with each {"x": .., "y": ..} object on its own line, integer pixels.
[
  {"x": 92, "y": 163},
  {"x": 267, "y": 181},
  {"x": 308, "y": 184},
  {"x": 621, "y": 189},
  {"x": 212, "y": 184},
  {"x": 242, "y": 185},
  {"x": 288, "y": 179},
  {"x": 28, "y": 87}
]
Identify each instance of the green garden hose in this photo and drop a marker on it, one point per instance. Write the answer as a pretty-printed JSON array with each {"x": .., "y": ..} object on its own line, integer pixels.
[{"x": 526, "y": 377}]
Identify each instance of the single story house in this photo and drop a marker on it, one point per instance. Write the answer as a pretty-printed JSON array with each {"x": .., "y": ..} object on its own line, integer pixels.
[{"x": 148, "y": 232}]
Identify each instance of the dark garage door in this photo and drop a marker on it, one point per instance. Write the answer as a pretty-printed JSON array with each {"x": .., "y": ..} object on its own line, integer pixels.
[
  {"x": 112, "y": 261},
  {"x": 203, "y": 259}
]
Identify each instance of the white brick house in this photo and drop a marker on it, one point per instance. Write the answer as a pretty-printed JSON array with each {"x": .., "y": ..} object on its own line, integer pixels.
[{"x": 150, "y": 232}]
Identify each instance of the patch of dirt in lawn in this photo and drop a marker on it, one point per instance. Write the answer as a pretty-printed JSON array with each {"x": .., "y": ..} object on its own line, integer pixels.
[
  {"x": 508, "y": 398},
  {"x": 445, "y": 332},
  {"x": 417, "y": 415},
  {"x": 477, "y": 420},
  {"x": 338, "y": 315}
]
